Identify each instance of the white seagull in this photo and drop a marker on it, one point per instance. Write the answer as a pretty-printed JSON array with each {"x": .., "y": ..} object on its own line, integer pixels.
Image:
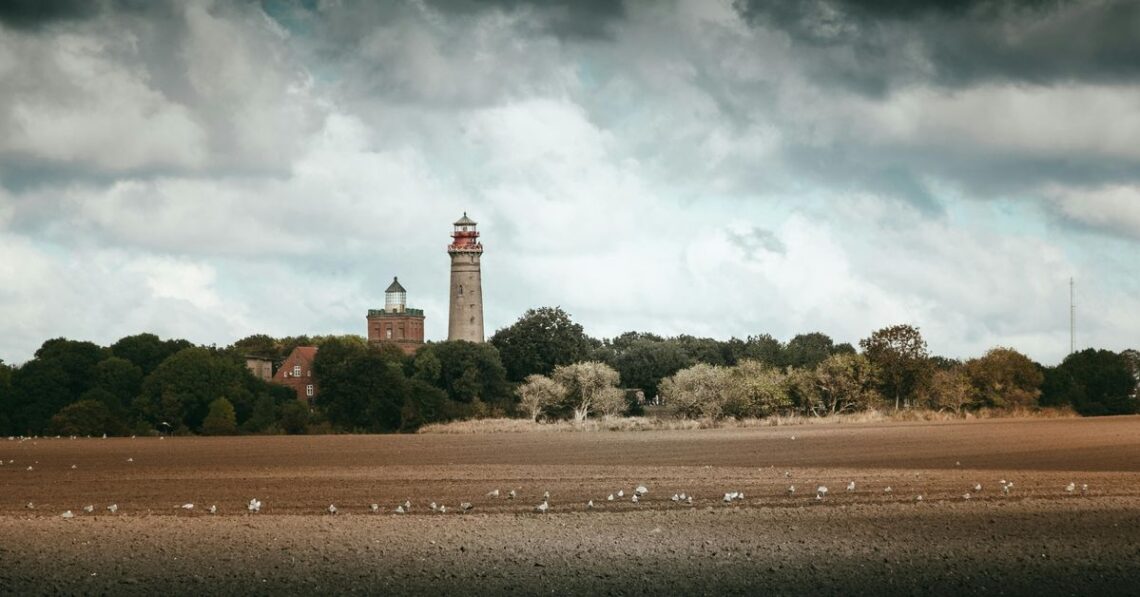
[
  {"x": 68, "y": 514},
  {"x": 113, "y": 508},
  {"x": 466, "y": 506},
  {"x": 187, "y": 506},
  {"x": 610, "y": 498},
  {"x": 641, "y": 490},
  {"x": 213, "y": 509},
  {"x": 543, "y": 507},
  {"x": 332, "y": 509},
  {"x": 400, "y": 509},
  {"x": 494, "y": 493},
  {"x": 511, "y": 494},
  {"x": 89, "y": 508},
  {"x": 1071, "y": 487},
  {"x": 590, "y": 504},
  {"x": 850, "y": 487},
  {"x": 374, "y": 507},
  {"x": 254, "y": 505}
]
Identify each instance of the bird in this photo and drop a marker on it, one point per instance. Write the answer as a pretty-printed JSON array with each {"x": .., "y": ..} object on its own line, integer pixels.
[
  {"x": 68, "y": 514},
  {"x": 466, "y": 506},
  {"x": 73, "y": 467},
  {"x": 610, "y": 498},
  {"x": 675, "y": 498},
  {"x": 1084, "y": 488},
  {"x": 511, "y": 494},
  {"x": 442, "y": 509},
  {"x": 408, "y": 505},
  {"x": 434, "y": 507},
  {"x": 689, "y": 500},
  {"x": 977, "y": 488},
  {"x": 620, "y": 493},
  {"x": 641, "y": 490},
  {"x": 494, "y": 493},
  {"x": 400, "y": 509},
  {"x": 918, "y": 498},
  {"x": 787, "y": 474},
  {"x": 820, "y": 491},
  {"x": 635, "y": 498},
  {"x": 254, "y": 505},
  {"x": 543, "y": 507},
  {"x": 1071, "y": 487},
  {"x": 30, "y": 467},
  {"x": 957, "y": 463},
  {"x": 683, "y": 497},
  {"x": 546, "y": 496},
  {"x": 332, "y": 509},
  {"x": 966, "y": 495},
  {"x": 590, "y": 504},
  {"x": 30, "y": 506},
  {"x": 187, "y": 506},
  {"x": 1002, "y": 482},
  {"x": 888, "y": 489},
  {"x": 213, "y": 509},
  {"x": 850, "y": 487},
  {"x": 1005, "y": 489},
  {"x": 89, "y": 508},
  {"x": 791, "y": 490},
  {"x": 374, "y": 507},
  {"x": 793, "y": 438},
  {"x": 130, "y": 459}
]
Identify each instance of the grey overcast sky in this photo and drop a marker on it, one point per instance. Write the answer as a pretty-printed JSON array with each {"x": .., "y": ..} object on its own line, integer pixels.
[{"x": 210, "y": 170}]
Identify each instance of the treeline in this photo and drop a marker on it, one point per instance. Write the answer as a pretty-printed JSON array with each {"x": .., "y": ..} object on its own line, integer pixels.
[{"x": 542, "y": 366}]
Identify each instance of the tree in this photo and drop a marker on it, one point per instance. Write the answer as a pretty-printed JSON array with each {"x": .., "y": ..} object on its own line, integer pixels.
[
  {"x": 122, "y": 382},
  {"x": 763, "y": 348},
  {"x": 1132, "y": 360},
  {"x": 220, "y": 420},
  {"x": 424, "y": 404},
  {"x": 1094, "y": 382},
  {"x": 951, "y": 389},
  {"x": 846, "y": 382},
  {"x": 179, "y": 392},
  {"x": 644, "y": 362},
  {"x": 538, "y": 394},
  {"x": 39, "y": 390},
  {"x": 6, "y": 406},
  {"x": 705, "y": 350},
  {"x": 264, "y": 415},
  {"x": 1004, "y": 378},
  {"x": 805, "y": 351},
  {"x": 85, "y": 417},
  {"x": 586, "y": 385},
  {"x": 294, "y": 418},
  {"x": 754, "y": 389},
  {"x": 900, "y": 354},
  {"x": 539, "y": 341},
  {"x": 467, "y": 371},
  {"x": 147, "y": 351},
  {"x": 696, "y": 391},
  {"x": 365, "y": 391}
]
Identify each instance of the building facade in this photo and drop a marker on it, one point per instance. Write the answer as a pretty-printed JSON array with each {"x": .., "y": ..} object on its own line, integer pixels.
[
  {"x": 465, "y": 318},
  {"x": 297, "y": 372},
  {"x": 396, "y": 323},
  {"x": 260, "y": 367}
]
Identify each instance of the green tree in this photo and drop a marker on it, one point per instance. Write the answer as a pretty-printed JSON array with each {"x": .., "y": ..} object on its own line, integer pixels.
[
  {"x": 147, "y": 351},
  {"x": 588, "y": 388},
  {"x": 844, "y": 383},
  {"x": 424, "y": 404},
  {"x": 706, "y": 350},
  {"x": 220, "y": 419},
  {"x": 264, "y": 415},
  {"x": 763, "y": 348},
  {"x": 40, "y": 389},
  {"x": 85, "y": 417},
  {"x": 1004, "y": 378},
  {"x": 294, "y": 418},
  {"x": 538, "y": 394},
  {"x": 805, "y": 351},
  {"x": 120, "y": 379},
  {"x": 903, "y": 363},
  {"x": 467, "y": 371},
  {"x": 539, "y": 341},
  {"x": 644, "y": 362},
  {"x": 1094, "y": 382},
  {"x": 6, "y": 400},
  {"x": 179, "y": 392},
  {"x": 365, "y": 392}
]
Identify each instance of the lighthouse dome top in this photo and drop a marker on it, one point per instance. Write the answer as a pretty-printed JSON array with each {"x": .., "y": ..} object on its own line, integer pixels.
[
  {"x": 465, "y": 221},
  {"x": 395, "y": 286}
]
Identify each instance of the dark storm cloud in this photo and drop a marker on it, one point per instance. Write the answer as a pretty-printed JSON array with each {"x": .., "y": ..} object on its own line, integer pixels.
[
  {"x": 874, "y": 45},
  {"x": 34, "y": 14},
  {"x": 566, "y": 19}
]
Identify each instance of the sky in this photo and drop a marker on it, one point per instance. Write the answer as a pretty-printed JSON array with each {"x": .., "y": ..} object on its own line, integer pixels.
[{"x": 211, "y": 170}]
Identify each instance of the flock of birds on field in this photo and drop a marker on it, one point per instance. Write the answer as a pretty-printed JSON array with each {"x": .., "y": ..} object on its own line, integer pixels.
[{"x": 636, "y": 496}]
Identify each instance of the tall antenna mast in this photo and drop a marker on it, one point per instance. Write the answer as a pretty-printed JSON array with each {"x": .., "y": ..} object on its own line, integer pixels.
[{"x": 1072, "y": 317}]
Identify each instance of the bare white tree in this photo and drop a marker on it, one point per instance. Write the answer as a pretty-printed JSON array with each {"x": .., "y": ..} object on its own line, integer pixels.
[
  {"x": 586, "y": 384},
  {"x": 538, "y": 393}
]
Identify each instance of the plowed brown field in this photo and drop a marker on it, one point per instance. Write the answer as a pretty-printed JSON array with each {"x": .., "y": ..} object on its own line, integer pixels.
[{"x": 1038, "y": 539}]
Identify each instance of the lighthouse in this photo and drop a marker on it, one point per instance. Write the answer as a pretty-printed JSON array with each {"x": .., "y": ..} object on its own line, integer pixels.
[{"x": 466, "y": 314}]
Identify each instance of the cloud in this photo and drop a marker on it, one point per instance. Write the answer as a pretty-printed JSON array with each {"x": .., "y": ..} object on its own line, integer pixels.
[{"x": 874, "y": 46}]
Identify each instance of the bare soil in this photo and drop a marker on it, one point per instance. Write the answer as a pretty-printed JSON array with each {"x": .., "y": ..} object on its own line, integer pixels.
[{"x": 1038, "y": 539}]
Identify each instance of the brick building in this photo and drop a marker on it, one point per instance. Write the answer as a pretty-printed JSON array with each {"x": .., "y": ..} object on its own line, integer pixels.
[
  {"x": 297, "y": 372},
  {"x": 396, "y": 323}
]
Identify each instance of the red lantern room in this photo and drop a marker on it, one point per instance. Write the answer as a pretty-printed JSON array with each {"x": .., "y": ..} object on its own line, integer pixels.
[{"x": 465, "y": 238}]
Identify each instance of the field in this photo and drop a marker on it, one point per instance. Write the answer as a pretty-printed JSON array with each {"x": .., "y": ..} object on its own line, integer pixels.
[{"x": 1040, "y": 538}]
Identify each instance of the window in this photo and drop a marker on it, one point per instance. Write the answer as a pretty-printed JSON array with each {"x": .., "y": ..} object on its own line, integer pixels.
[
  {"x": 460, "y": 290},
  {"x": 309, "y": 390},
  {"x": 389, "y": 334},
  {"x": 296, "y": 371}
]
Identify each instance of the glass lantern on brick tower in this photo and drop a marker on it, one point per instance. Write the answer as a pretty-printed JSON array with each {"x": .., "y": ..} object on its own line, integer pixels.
[{"x": 395, "y": 298}]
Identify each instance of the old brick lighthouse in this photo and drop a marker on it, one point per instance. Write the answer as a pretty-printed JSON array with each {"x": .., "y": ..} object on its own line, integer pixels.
[{"x": 466, "y": 317}]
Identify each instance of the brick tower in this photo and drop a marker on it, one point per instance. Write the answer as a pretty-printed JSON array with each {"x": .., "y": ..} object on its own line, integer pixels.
[
  {"x": 396, "y": 322},
  {"x": 466, "y": 317}
]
